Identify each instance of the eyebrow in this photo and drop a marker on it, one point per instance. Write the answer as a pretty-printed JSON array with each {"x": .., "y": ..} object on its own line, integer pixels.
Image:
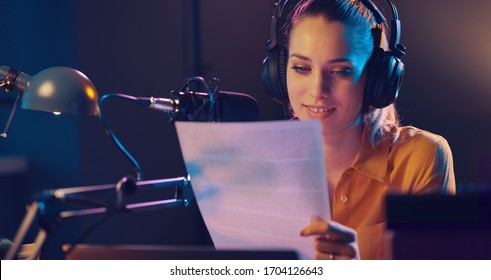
[{"x": 336, "y": 60}]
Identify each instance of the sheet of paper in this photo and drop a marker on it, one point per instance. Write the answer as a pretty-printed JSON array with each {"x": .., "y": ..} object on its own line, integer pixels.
[{"x": 257, "y": 184}]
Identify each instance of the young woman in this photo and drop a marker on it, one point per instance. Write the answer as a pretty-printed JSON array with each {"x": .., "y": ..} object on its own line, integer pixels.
[{"x": 329, "y": 53}]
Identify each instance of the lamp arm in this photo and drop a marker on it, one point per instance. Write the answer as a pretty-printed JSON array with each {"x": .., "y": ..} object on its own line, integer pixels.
[{"x": 109, "y": 131}]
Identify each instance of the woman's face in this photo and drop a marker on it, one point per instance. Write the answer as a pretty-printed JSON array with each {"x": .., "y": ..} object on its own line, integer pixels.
[{"x": 325, "y": 73}]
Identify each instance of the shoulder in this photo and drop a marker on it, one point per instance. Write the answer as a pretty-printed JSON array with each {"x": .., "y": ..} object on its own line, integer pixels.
[
  {"x": 423, "y": 159},
  {"x": 416, "y": 140}
]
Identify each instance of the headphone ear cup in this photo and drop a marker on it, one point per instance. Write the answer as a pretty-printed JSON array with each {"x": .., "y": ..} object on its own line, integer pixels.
[
  {"x": 385, "y": 72},
  {"x": 373, "y": 63},
  {"x": 273, "y": 74}
]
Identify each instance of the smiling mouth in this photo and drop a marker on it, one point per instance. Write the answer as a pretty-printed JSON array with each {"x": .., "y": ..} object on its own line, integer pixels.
[{"x": 319, "y": 109}]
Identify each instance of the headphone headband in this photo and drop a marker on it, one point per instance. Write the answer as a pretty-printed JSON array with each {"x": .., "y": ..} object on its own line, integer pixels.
[
  {"x": 395, "y": 26},
  {"x": 379, "y": 17},
  {"x": 278, "y": 13}
]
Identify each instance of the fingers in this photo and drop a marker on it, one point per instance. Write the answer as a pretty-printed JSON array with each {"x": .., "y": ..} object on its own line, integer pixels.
[
  {"x": 333, "y": 241},
  {"x": 340, "y": 250},
  {"x": 334, "y": 230}
]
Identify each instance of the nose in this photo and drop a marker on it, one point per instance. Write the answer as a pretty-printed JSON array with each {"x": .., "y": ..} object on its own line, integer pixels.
[{"x": 320, "y": 85}]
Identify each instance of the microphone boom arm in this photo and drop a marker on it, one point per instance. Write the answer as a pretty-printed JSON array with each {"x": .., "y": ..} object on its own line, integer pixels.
[{"x": 45, "y": 200}]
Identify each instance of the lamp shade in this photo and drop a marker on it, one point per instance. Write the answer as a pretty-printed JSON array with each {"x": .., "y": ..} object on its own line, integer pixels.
[{"x": 63, "y": 90}]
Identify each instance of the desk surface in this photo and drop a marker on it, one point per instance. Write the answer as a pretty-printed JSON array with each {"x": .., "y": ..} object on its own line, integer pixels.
[{"x": 160, "y": 252}]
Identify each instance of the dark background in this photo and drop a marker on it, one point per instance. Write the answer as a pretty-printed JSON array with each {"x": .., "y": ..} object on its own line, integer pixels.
[{"x": 147, "y": 48}]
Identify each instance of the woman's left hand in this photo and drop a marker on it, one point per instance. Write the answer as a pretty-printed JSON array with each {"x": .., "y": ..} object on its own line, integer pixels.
[{"x": 333, "y": 241}]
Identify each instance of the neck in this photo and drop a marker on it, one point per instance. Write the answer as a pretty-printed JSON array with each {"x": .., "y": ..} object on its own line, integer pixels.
[{"x": 341, "y": 148}]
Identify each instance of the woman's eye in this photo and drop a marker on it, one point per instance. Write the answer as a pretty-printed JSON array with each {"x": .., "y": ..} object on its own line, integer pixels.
[
  {"x": 300, "y": 69},
  {"x": 343, "y": 72}
]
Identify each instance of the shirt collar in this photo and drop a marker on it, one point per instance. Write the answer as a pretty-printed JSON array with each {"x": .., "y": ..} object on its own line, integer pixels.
[{"x": 372, "y": 161}]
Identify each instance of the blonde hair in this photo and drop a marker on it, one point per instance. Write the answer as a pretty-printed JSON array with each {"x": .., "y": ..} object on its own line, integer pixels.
[{"x": 382, "y": 124}]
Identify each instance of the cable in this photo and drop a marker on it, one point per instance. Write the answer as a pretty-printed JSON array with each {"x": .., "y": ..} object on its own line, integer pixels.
[{"x": 109, "y": 131}]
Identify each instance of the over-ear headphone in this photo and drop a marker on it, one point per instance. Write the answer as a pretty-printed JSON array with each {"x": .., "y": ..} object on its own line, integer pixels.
[{"x": 385, "y": 68}]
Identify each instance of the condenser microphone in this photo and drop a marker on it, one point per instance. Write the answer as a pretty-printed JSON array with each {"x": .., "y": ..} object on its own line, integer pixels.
[{"x": 220, "y": 106}]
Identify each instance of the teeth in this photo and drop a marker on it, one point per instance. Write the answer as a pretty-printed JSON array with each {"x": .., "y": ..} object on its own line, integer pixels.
[{"x": 318, "y": 110}]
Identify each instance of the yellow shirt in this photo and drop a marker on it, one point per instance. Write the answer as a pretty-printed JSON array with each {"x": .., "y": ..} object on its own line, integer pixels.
[{"x": 419, "y": 162}]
